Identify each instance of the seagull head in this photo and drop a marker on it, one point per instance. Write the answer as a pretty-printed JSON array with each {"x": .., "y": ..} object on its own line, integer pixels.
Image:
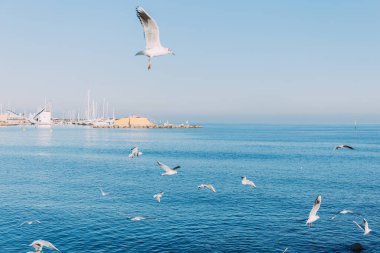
[{"x": 171, "y": 51}]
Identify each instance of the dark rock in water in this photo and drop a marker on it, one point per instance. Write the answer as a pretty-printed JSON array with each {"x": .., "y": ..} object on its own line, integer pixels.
[{"x": 356, "y": 247}]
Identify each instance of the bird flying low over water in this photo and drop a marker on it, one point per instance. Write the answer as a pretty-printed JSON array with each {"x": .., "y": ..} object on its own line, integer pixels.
[
  {"x": 103, "y": 193},
  {"x": 313, "y": 213},
  {"x": 153, "y": 46},
  {"x": 158, "y": 196},
  {"x": 39, "y": 244},
  {"x": 30, "y": 222},
  {"x": 364, "y": 226},
  {"x": 135, "y": 152},
  {"x": 344, "y": 211},
  {"x": 245, "y": 181},
  {"x": 208, "y": 186},
  {"x": 343, "y": 146},
  {"x": 137, "y": 218},
  {"x": 168, "y": 171}
]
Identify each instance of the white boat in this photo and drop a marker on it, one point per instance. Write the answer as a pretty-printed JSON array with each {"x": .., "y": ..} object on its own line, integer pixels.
[{"x": 43, "y": 119}]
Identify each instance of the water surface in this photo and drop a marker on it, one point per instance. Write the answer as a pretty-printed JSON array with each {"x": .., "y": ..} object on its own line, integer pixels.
[{"x": 54, "y": 176}]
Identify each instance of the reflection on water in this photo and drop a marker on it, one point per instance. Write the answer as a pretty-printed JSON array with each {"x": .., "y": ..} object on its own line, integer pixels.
[{"x": 44, "y": 136}]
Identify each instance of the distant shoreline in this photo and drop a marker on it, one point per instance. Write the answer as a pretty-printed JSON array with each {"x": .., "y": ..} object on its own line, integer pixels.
[
  {"x": 156, "y": 126},
  {"x": 110, "y": 126}
]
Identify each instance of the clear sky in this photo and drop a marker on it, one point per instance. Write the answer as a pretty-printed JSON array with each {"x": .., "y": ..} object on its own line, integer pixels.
[{"x": 251, "y": 61}]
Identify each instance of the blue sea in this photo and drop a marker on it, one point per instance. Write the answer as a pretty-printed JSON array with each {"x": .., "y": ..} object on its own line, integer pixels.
[{"x": 54, "y": 176}]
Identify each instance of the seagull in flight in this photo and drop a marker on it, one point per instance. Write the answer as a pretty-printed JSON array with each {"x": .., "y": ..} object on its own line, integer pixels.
[
  {"x": 245, "y": 181},
  {"x": 313, "y": 213},
  {"x": 167, "y": 169},
  {"x": 135, "y": 152},
  {"x": 158, "y": 196},
  {"x": 30, "y": 222},
  {"x": 364, "y": 226},
  {"x": 153, "y": 46},
  {"x": 137, "y": 218},
  {"x": 343, "y": 146},
  {"x": 208, "y": 186},
  {"x": 344, "y": 211},
  {"x": 103, "y": 193},
  {"x": 39, "y": 244}
]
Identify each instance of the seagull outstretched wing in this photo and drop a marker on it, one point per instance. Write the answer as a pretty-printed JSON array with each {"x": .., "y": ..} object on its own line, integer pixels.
[
  {"x": 359, "y": 226},
  {"x": 317, "y": 204},
  {"x": 39, "y": 244},
  {"x": 151, "y": 31},
  {"x": 163, "y": 166}
]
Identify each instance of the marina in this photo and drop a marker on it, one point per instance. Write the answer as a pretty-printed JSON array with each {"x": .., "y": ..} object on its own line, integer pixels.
[
  {"x": 89, "y": 117},
  {"x": 44, "y": 119}
]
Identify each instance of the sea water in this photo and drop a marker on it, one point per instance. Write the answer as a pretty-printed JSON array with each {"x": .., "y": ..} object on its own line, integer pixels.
[{"x": 54, "y": 176}]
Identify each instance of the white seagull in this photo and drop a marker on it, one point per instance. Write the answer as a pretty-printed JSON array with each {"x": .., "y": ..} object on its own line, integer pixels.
[
  {"x": 39, "y": 244},
  {"x": 245, "y": 181},
  {"x": 364, "y": 227},
  {"x": 344, "y": 211},
  {"x": 168, "y": 171},
  {"x": 30, "y": 222},
  {"x": 158, "y": 196},
  {"x": 137, "y": 218},
  {"x": 313, "y": 213},
  {"x": 135, "y": 152},
  {"x": 153, "y": 46},
  {"x": 343, "y": 146},
  {"x": 208, "y": 186},
  {"x": 103, "y": 193}
]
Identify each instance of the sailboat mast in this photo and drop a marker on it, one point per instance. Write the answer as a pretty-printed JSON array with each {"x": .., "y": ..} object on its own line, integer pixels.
[
  {"x": 93, "y": 109},
  {"x": 88, "y": 105},
  {"x": 104, "y": 101}
]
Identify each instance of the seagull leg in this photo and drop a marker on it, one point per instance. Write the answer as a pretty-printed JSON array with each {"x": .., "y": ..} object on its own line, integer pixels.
[{"x": 149, "y": 64}]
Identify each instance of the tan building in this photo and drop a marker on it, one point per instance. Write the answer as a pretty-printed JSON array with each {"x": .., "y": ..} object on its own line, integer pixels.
[
  {"x": 134, "y": 122},
  {"x": 3, "y": 117}
]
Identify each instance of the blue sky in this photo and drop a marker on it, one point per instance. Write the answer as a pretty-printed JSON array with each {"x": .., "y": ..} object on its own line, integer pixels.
[{"x": 251, "y": 61}]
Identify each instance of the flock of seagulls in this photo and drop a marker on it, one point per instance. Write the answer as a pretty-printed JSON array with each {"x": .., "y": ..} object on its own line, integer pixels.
[
  {"x": 313, "y": 216},
  {"x": 317, "y": 204}
]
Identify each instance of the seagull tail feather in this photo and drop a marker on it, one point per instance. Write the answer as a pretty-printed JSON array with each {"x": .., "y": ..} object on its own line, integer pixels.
[{"x": 140, "y": 53}]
